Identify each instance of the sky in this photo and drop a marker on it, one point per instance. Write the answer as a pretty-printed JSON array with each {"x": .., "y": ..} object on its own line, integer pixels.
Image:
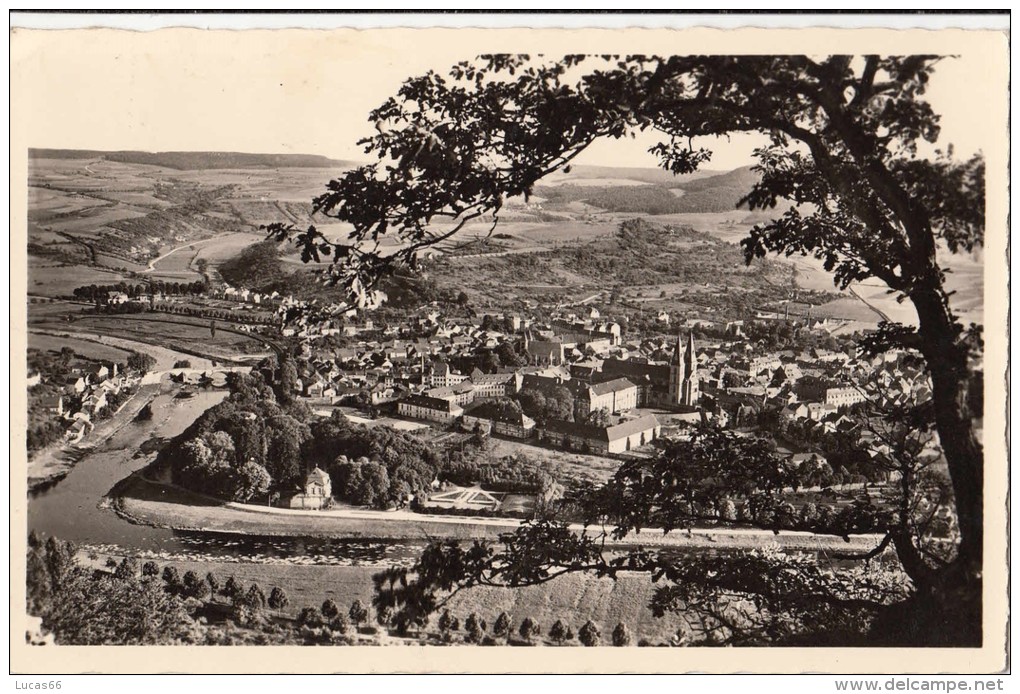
[{"x": 308, "y": 92}]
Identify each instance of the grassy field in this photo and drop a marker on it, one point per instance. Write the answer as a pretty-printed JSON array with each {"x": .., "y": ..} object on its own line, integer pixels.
[
  {"x": 173, "y": 332},
  {"x": 47, "y": 278},
  {"x": 574, "y": 598},
  {"x": 562, "y": 465},
  {"x": 224, "y": 247},
  {"x": 82, "y": 347},
  {"x": 165, "y": 358}
]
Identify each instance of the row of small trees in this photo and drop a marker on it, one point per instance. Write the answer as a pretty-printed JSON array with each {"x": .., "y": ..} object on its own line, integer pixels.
[
  {"x": 331, "y": 616},
  {"x": 529, "y": 629},
  {"x": 248, "y": 606},
  {"x": 140, "y": 291},
  {"x": 248, "y": 609}
]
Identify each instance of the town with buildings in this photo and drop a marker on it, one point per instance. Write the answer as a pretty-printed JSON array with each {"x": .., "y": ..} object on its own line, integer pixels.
[{"x": 628, "y": 345}]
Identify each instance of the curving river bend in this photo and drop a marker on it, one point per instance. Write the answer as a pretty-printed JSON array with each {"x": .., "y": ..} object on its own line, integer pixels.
[{"x": 75, "y": 508}]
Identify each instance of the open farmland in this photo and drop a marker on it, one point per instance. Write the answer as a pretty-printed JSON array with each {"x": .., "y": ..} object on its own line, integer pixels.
[
  {"x": 221, "y": 248},
  {"x": 82, "y": 347},
  {"x": 573, "y": 598},
  {"x": 176, "y": 333},
  {"x": 53, "y": 279}
]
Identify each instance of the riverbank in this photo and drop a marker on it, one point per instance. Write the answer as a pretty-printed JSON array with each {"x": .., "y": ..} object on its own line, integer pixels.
[
  {"x": 146, "y": 502},
  {"x": 53, "y": 465}
]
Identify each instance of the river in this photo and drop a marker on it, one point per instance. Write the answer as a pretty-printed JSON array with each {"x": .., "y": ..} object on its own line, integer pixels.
[{"x": 73, "y": 508}]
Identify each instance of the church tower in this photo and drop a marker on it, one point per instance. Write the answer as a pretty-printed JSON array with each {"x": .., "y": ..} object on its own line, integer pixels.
[
  {"x": 690, "y": 389},
  {"x": 676, "y": 374}
]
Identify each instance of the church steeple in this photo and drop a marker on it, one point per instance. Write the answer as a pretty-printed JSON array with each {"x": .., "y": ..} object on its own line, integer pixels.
[
  {"x": 678, "y": 351},
  {"x": 690, "y": 388},
  {"x": 677, "y": 371}
]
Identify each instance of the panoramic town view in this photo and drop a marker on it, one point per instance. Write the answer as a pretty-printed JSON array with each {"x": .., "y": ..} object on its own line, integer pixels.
[{"x": 468, "y": 391}]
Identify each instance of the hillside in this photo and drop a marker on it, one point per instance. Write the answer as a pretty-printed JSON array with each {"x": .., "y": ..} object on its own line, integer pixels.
[
  {"x": 654, "y": 195},
  {"x": 642, "y": 267},
  {"x": 116, "y": 211},
  {"x": 186, "y": 161},
  {"x": 652, "y": 175}
]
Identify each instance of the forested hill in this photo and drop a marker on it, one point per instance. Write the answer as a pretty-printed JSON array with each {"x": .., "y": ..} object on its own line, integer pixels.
[
  {"x": 714, "y": 193},
  {"x": 198, "y": 160}
]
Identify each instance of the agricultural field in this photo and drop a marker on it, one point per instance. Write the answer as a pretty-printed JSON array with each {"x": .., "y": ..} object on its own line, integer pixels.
[
  {"x": 117, "y": 212},
  {"x": 87, "y": 349},
  {"x": 176, "y": 334},
  {"x": 53, "y": 279},
  {"x": 221, "y": 248},
  {"x": 573, "y": 598}
]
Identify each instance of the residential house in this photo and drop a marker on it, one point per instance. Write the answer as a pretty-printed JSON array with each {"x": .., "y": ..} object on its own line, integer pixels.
[
  {"x": 844, "y": 397},
  {"x": 78, "y": 430},
  {"x": 75, "y": 384},
  {"x": 493, "y": 385},
  {"x": 54, "y": 404},
  {"x": 317, "y": 493},
  {"x": 443, "y": 376}
]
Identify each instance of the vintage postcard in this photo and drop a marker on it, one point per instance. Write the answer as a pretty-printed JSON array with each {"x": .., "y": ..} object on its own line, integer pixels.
[{"x": 500, "y": 350}]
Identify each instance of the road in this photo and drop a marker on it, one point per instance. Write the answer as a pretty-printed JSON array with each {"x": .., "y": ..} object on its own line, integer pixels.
[
  {"x": 193, "y": 244},
  {"x": 653, "y": 534},
  {"x": 881, "y": 314}
]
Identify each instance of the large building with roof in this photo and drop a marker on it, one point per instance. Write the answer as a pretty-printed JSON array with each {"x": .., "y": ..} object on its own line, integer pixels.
[
  {"x": 431, "y": 409},
  {"x": 498, "y": 418},
  {"x": 619, "y": 438},
  {"x": 617, "y": 395}
]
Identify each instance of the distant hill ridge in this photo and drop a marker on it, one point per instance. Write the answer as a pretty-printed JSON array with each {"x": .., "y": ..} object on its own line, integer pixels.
[
  {"x": 644, "y": 174},
  {"x": 198, "y": 160},
  {"x": 716, "y": 192}
]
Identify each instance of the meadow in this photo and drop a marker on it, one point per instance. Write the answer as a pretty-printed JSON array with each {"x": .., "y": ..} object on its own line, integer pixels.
[
  {"x": 574, "y": 598},
  {"x": 174, "y": 333},
  {"x": 88, "y": 349}
]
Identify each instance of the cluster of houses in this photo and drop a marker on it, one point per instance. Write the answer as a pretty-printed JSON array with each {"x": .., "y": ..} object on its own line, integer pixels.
[
  {"x": 473, "y": 399},
  {"x": 815, "y": 384},
  {"x": 248, "y": 296},
  {"x": 727, "y": 381},
  {"x": 83, "y": 395}
]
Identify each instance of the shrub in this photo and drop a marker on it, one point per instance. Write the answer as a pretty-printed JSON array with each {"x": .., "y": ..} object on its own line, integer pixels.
[
  {"x": 621, "y": 635},
  {"x": 590, "y": 634},
  {"x": 359, "y": 614},
  {"x": 558, "y": 632},
  {"x": 529, "y": 629},
  {"x": 502, "y": 626},
  {"x": 329, "y": 609},
  {"x": 310, "y": 617}
]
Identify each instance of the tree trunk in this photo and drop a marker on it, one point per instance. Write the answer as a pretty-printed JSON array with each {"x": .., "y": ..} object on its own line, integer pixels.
[
  {"x": 951, "y": 601},
  {"x": 947, "y": 361}
]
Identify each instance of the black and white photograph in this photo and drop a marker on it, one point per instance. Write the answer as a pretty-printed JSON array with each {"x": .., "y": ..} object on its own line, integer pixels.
[{"x": 663, "y": 348}]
